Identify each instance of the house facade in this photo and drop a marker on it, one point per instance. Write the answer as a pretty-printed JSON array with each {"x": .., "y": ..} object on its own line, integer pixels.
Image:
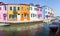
[
  {"x": 25, "y": 12},
  {"x": 47, "y": 13},
  {"x": 33, "y": 12},
  {"x": 3, "y": 12},
  {"x": 13, "y": 12},
  {"x": 39, "y": 12}
]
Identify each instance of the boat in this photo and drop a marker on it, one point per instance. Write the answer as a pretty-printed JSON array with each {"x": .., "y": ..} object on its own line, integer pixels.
[{"x": 4, "y": 24}]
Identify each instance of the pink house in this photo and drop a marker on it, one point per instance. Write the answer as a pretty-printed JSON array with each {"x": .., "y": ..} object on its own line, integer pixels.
[
  {"x": 3, "y": 12},
  {"x": 39, "y": 12}
]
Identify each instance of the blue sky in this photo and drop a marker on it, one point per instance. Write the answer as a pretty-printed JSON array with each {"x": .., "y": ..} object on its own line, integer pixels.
[{"x": 51, "y": 3}]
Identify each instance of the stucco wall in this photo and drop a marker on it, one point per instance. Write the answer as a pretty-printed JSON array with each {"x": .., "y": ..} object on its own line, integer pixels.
[
  {"x": 3, "y": 11},
  {"x": 33, "y": 12}
]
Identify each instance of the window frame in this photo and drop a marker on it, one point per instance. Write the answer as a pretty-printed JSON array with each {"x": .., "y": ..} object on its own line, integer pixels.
[
  {"x": 5, "y": 7},
  {"x": 0, "y": 8},
  {"x": 18, "y": 8},
  {"x": 35, "y": 9},
  {"x": 14, "y": 8},
  {"x": 30, "y": 8},
  {"x": 10, "y": 8}
]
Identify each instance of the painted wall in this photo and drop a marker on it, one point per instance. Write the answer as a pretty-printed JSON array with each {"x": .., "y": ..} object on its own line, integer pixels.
[
  {"x": 2, "y": 12},
  {"x": 39, "y": 12},
  {"x": 33, "y": 13},
  {"x": 47, "y": 11},
  {"x": 25, "y": 12},
  {"x": 13, "y": 12}
]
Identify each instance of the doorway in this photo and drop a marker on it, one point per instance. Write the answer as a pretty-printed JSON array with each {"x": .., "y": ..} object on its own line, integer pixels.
[
  {"x": 4, "y": 16},
  {"x": 18, "y": 17}
]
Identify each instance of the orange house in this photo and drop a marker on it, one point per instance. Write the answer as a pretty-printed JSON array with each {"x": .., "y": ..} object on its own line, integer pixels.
[{"x": 25, "y": 12}]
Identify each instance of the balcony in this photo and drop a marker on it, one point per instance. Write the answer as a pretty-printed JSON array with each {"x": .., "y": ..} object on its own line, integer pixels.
[{"x": 14, "y": 12}]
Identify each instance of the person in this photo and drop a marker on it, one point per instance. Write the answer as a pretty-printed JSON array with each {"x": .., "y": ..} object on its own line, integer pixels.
[{"x": 58, "y": 31}]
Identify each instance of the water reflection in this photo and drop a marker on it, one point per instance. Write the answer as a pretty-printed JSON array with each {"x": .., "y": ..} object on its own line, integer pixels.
[{"x": 32, "y": 30}]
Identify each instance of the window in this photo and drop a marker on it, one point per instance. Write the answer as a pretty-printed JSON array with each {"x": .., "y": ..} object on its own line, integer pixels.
[
  {"x": 18, "y": 8},
  {"x": 31, "y": 15},
  {"x": 14, "y": 9},
  {"x": 18, "y": 14},
  {"x": 5, "y": 7},
  {"x": 0, "y": 8},
  {"x": 48, "y": 12},
  {"x": 27, "y": 15},
  {"x": 10, "y": 8},
  {"x": 40, "y": 9},
  {"x": 22, "y": 8},
  {"x": 45, "y": 11},
  {"x": 46, "y": 8},
  {"x": 35, "y": 9},
  {"x": 12, "y": 16},
  {"x": 40, "y": 15},
  {"x": 15, "y": 16},
  {"x": 30, "y": 8},
  {"x": 22, "y": 15}
]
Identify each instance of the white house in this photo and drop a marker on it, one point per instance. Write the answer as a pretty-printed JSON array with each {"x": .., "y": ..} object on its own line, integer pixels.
[{"x": 33, "y": 12}]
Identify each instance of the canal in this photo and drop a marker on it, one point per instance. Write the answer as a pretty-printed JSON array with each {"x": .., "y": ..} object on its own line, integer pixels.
[{"x": 30, "y": 30}]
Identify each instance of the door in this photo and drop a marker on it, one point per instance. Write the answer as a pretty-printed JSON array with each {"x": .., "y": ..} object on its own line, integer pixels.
[
  {"x": 4, "y": 16},
  {"x": 18, "y": 17}
]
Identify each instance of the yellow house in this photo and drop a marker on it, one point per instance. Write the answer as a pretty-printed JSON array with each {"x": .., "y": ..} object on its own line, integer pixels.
[
  {"x": 25, "y": 12},
  {"x": 14, "y": 12}
]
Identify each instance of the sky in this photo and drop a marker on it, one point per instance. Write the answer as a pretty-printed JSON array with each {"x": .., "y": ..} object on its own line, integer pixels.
[{"x": 54, "y": 4}]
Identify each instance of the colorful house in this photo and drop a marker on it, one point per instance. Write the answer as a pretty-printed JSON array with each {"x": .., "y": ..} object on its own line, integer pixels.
[
  {"x": 25, "y": 12},
  {"x": 3, "y": 12},
  {"x": 52, "y": 12},
  {"x": 39, "y": 12},
  {"x": 47, "y": 12},
  {"x": 33, "y": 12},
  {"x": 14, "y": 12}
]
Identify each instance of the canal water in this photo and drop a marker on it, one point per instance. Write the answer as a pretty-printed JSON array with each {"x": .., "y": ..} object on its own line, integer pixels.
[{"x": 32, "y": 30}]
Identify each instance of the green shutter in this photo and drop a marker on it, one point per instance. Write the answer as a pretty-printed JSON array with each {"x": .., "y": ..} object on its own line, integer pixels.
[
  {"x": 14, "y": 9},
  {"x": 30, "y": 8},
  {"x": 10, "y": 8},
  {"x": 15, "y": 16},
  {"x": 35, "y": 9},
  {"x": 5, "y": 7},
  {"x": 18, "y": 8},
  {"x": 10, "y": 16},
  {"x": 31, "y": 15}
]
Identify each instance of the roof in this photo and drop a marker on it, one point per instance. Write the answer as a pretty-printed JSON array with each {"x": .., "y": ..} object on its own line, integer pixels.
[{"x": 25, "y": 4}]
